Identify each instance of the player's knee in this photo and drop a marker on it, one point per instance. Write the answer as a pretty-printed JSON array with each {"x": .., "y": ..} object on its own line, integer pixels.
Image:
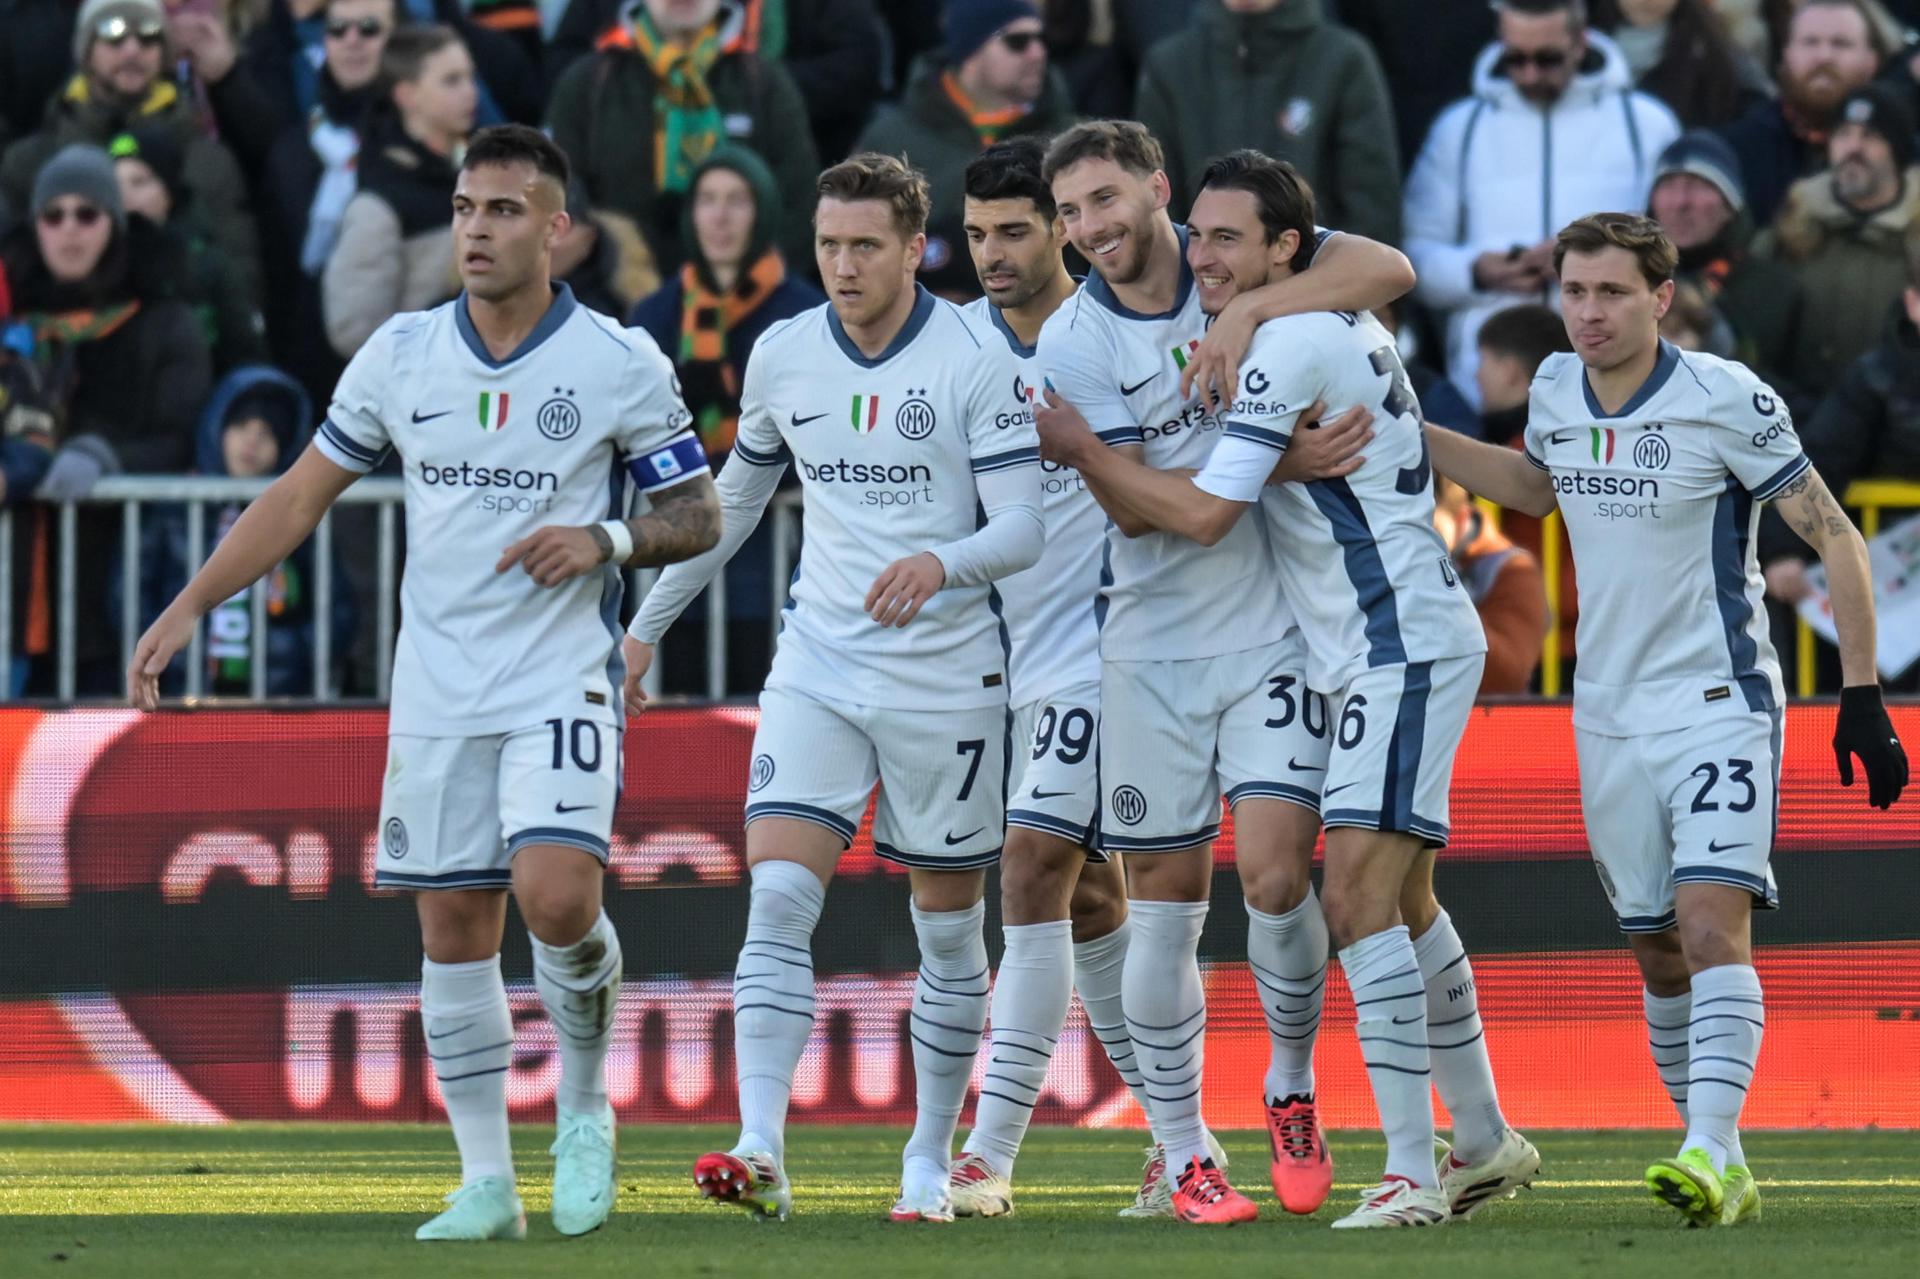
[
  {"x": 1098, "y": 908},
  {"x": 556, "y": 916},
  {"x": 1663, "y": 962},
  {"x": 1035, "y": 875},
  {"x": 1274, "y": 886},
  {"x": 1352, "y": 913}
]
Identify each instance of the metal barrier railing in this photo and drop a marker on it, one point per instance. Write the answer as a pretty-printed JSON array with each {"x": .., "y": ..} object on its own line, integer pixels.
[
  {"x": 137, "y": 495},
  {"x": 1870, "y": 498}
]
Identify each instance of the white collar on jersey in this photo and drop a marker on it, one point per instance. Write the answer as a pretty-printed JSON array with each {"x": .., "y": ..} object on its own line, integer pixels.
[{"x": 558, "y": 312}]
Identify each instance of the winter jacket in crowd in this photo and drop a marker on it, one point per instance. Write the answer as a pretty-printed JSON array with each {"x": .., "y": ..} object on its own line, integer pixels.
[
  {"x": 619, "y": 270},
  {"x": 1775, "y": 152},
  {"x": 1291, "y": 84},
  {"x": 208, "y": 169},
  {"x": 1851, "y": 270},
  {"x": 1427, "y": 52},
  {"x": 609, "y": 110},
  {"x": 1758, "y": 297},
  {"x": 395, "y": 249},
  {"x": 36, "y": 56},
  {"x": 934, "y": 132},
  {"x": 1498, "y": 171}
]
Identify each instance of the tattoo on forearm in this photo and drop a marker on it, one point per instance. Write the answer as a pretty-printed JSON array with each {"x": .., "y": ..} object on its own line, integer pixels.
[
  {"x": 684, "y": 521},
  {"x": 1814, "y": 514}
]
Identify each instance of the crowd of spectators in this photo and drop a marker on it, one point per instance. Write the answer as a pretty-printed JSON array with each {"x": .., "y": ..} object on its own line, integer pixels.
[{"x": 206, "y": 206}]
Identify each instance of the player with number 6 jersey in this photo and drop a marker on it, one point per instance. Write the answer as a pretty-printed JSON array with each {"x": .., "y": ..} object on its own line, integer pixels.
[{"x": 900, "y": 413}]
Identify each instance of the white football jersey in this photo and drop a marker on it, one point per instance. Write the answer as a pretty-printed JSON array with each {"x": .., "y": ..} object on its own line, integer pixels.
[
  {"x": 1370, "y": 581},
  {"x": 1661, "y": 502},
  {"x": 493, "y": 450},
  {"x": 1049, "y": 608},
  {"x": 1166, "y": 598},
  {"x": 887, "y": 451}
]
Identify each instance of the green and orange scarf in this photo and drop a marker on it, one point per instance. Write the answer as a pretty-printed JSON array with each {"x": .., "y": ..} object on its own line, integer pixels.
[
  {"x": 710, "y": 380},
  {"x": 687, "y": 123},
  {"x": 987, "y": 125}
]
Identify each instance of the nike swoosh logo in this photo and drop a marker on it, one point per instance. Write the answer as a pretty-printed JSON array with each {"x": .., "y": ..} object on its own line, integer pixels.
[
  {"x": 1129, "y": 390},
  {"x": 1296, "y": 766},
  {"x": 571, "y": 808},
  {"x": 1402, "y": 1021},
  {"x": 456, "y": 1030},
  {"x": 418, "y": 416},
  {"x": 1049, "y": 794},
  {"x": 1560, "y": 437},
  {"x": 953, "y": 840},
  {"x": 1335, "y": 790},
  {"x": 797, "y": 420},
  {"x": 1714, "y": 847},
  {"x": 1725, "y": 1034}
]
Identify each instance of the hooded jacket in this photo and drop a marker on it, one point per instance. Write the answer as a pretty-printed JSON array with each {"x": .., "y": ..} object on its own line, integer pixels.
[
  {"x": 208, "y": 169},
  {"x": 1851, "y": 270},
  {"x": 601, "y": 114},
  {"x": 1293, "y": 85},
  {"x": 933, "y": 133},
  {"x": 290, "y": 601},
  {"x": 395, "y": 251},
  {"x": 1758, "y": 297},
  {"x": 1498, "y": 171}
]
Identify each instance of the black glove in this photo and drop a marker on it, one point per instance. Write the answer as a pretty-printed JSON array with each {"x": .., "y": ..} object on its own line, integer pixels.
[{"x": 1863, "y": 729}]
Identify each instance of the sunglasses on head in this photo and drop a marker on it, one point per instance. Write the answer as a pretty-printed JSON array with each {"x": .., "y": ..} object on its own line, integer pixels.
[
  {"x": 83, "y": 215},
  {"x": 1540, "y": 59},
  {"x": 1020, "y": 41},
  {"x": 369, "y": 28},
  {"x": 148, "y": 31}
]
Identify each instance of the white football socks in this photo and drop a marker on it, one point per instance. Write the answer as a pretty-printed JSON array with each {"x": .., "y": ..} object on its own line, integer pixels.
[
  {"x": 1166, "y": 1007},
  {"x": 579, "y": 986},
  {"x": 1724, "y": 1036},
  {"x": 469, "y": 1030},
  {"x": 1288, "y": 955},
  {"x": 1668, "y": 1020},
  {"x": 1031, "y": 993},
  {"x": 773, "y": 997},
  {"x": 1457, "y": 1043},
  {"x": 1390, "y": 1010},
  {"x": 949, "y": 1014},
  {"x": 1099, "y": 966}
]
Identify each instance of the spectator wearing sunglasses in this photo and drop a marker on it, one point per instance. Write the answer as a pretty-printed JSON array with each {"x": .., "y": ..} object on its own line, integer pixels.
[
  {"x": 1553, "y": 130},
  {"x": 1279, "y": 77},
  {"x": 122, "y": 52},
  {"x": 990, "y": 81},
  {"x": 125, "y": 365}
]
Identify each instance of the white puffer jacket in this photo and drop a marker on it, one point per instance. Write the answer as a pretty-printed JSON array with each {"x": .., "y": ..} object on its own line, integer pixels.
[{"x": 1497, "y": 171}]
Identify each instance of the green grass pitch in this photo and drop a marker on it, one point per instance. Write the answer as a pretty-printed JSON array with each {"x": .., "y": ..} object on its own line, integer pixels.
[{"x": 296, "y": 1201}]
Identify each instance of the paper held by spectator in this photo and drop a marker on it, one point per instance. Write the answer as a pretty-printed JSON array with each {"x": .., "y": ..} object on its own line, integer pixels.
[{"x": 1895, "y": 556}]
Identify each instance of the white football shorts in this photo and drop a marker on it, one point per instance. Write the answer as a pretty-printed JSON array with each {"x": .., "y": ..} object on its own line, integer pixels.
[
  {"x": 1396, "y": 730},
  {"x": 1055, "y": 785}
]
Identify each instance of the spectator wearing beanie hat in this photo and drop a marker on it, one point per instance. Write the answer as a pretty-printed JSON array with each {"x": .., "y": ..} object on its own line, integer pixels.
[
  {"x": 1699, "y": 199},
  {"x": 148, "y": 164},
  {"x": 122, "y": 53},
  {"x": 990, "y": 81},
  {"x": 1846, "y": 234},
  {"x": 125, "y": 367}
]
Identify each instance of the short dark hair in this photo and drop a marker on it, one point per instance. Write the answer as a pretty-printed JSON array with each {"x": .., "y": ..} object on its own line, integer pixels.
[
  {"x": 887, "y": 178},
  {"x": 408, "y": 48},
  {"x": 1127, "y": 143},
  {"x": 517, "y": 143},
  {"x": 1576, "y": 10},
  {"x": 1636, "y": 233},
  {"x": 1012, "y": 169},
  {"x": 1281, "y": 195},
  {"x": 1528, "y": 333}
]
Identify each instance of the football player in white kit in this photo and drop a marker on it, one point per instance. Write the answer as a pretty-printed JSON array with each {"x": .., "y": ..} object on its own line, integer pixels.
[
  {"x": 1658, "y": 461},
  {"x": 1063, "y": 902},
  {"x": 899, "y": 410},
  {"x": 509, "y": 406},
  {"x": 1396, "y": 647},
  {"x": 1203, "y": 675}
]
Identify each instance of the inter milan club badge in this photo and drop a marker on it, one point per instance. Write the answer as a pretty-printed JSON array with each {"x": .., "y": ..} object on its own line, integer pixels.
[
  {"x": 915, "y": 418},
  {"x": 558, "y": 418}
]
